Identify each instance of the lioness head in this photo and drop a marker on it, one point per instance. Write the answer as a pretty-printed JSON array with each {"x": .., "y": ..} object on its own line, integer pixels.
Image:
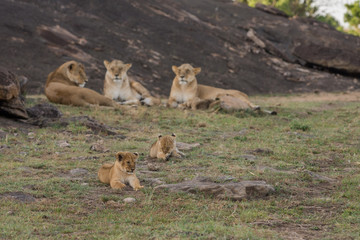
[
  {"x": 116, "y": 70},
  {"x": 76, "y": 73},
  {"x": 126, "y": 161},
  {"x": 185, "y": 73},
  {"x": 167, "y": 143}
]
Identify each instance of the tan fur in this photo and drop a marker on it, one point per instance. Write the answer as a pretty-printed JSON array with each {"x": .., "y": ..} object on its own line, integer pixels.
[
  {"x": 121, "y": 172},
  {"x": 165, "y": 147},
  {"x": 118, "y": 86},
  {"x": 186, "y": 92},
  {"x": 65, "y": 86}
]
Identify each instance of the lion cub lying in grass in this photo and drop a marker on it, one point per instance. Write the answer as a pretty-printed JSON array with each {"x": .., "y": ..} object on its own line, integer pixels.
[
  {"x": 165, "y": 147},
  {"x": 118, "y": 86},
  {"x": 121, "y": 172}
]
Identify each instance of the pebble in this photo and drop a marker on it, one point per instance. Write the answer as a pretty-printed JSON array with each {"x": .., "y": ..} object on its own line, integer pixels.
[{"x": 129, "y": 200}]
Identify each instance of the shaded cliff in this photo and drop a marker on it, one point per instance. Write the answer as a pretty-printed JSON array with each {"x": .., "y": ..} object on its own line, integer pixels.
[{"x": 253, "y": 50}]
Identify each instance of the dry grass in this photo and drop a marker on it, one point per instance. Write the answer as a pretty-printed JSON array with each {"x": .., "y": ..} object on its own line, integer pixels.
[{"x": 316, "y": 135}]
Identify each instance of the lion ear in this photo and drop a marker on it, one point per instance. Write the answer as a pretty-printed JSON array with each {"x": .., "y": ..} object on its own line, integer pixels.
[
  {"x": 159, "y": 136},
  {"x": 106, "y": 63},
  {"x": 136, "y": 153},
  {"x": 128, "y": 66},
  {"x": 71, "y": 66},
  {"x": 197, "y": 70},
  {"x": 175, "y": 69},
  {"x": 119, "y": 156},
  {"x": 173, "y": 135}
]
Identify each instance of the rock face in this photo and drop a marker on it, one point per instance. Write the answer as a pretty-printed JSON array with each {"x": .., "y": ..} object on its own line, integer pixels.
[
  {"x": 252, "y": 50},
  {"x": 233, "y": 191},
  {"x": 44, "y": 110},
  {"x": 10, "y": 102}
]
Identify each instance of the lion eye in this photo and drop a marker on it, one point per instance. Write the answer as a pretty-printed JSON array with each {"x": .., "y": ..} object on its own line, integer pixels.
[{"x": 128, "y": 162}]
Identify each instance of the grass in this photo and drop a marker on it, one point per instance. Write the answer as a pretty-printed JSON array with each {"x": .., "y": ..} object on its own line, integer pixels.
[{"x": 318, "y": 136}]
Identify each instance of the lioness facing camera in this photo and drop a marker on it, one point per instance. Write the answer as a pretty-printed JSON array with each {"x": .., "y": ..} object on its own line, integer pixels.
[
  {"x": 186, "y": 92},
  {"x": 119, "y": 87}
]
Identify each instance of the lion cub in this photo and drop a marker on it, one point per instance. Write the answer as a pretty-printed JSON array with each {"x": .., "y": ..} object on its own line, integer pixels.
[
  {"x": 165, "y": 147},
  {"x": 118, "y": 86},
  {"x": 121, "y": 172}
]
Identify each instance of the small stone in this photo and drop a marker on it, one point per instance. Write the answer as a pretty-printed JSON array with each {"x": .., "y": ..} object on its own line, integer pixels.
[
  {"x": 84, "y": 184},
  {"x": 202, "y": 124},
  {"x": 112, "y": 203},
  {"x": 78, "y": 172},
  {"x": 63, "y": 144},
  {"x": 10, "y": 213},
  {"x": 99, "y": 147},
  {"x": 248, "y": 157},
  {"x": 153, "y": 167},
  {"x": 25, "y": 169},
  {"x": 31, "y": 135},
  {"x": 19, "y": 196},
  {"x": 129, "y": 200},
  {"x": 186, "y": 146}
]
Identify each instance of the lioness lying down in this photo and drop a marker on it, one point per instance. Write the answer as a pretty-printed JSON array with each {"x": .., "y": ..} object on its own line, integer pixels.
[
  {"x": 187, "y": 93},
  {"x": 120, "y": 172},
  {"x": 119, "y": 87},
  {"x": 65, "y": 86}
]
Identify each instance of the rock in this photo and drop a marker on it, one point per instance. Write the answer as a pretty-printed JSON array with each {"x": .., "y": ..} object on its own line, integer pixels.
[
  {"x": 270, "y": 9},
  {"x": 202, "y": 124},
  {"x": 129, "y": 200},
  {"x": 91, "y": 123},
  {"x": 262, "y": 151},
  {"x": 248, "y": 157},
  {"x": 222, "y": 179},
  {"x": 63, "y": 144},
  {"x": 19, "y": 196},
  {"x": 10, "y": 102},
  {"x": 186, "y": 146},
  {"x": 153, "y": 167},
  {"x": 262, "y": 169},
  {"x": 233, "y": 191},
  {"x": 3, "y": 134},
  {"x": 78, "y": 172},
  {"x": 99, "y": 147},
  {"x": 319, "y": 177},
  {"x": 44, "y": 110},
  {"x": 153, "y": 181},
  {"x": 228, "y": 57},
  {"x": 112, "y": 203},
  {"x": 26, "y": 170}
]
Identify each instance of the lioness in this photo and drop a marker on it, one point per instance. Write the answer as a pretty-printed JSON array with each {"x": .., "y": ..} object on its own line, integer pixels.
[
  {"x": 118, "y": 86},
  {"x": 165, "y": 147},
  {"x": 121, "y": 172},
  {"x": 65, "y": 86},
  {"x": 186, "y": 92}
]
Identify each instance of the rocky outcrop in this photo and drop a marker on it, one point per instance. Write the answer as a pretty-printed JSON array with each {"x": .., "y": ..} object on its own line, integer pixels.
[
  {"x": 11, "y": 103},
  {"x": 233, "y": 190},
  {"x": 253, "y": 50}
]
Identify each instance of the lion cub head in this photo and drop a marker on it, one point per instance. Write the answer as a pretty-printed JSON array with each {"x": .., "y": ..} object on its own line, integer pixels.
[
  {"x": 75, "y": 72},
  {"x": 185, "y": 74},
  {"x": 163, "y": 147},
  {"x": 116, "y": 70},
  {"x": 125, "y": 161}
]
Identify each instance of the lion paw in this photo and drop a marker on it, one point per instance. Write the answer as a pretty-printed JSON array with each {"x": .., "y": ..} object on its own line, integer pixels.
[{"x": 138, "y": 188}]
